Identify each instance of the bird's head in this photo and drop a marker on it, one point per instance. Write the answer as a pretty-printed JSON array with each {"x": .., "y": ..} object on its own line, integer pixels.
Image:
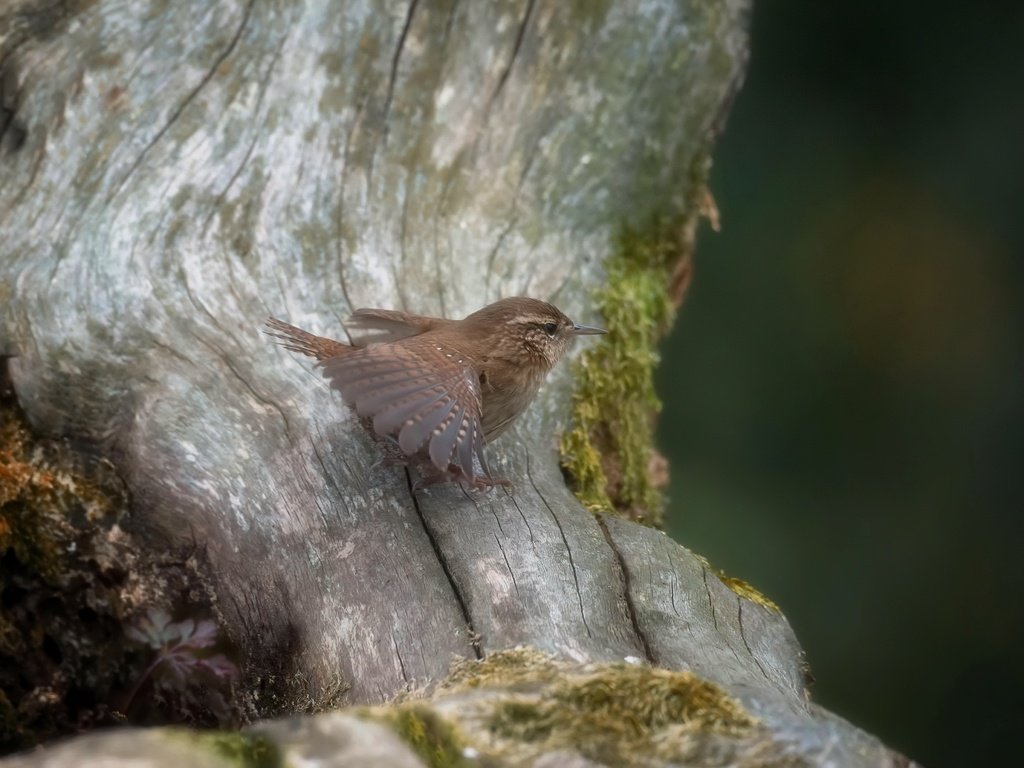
[{"x": 529, "y": 331}]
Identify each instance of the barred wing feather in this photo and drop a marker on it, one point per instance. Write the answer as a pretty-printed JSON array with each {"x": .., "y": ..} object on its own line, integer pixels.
[{"x": 410, "y": 399}]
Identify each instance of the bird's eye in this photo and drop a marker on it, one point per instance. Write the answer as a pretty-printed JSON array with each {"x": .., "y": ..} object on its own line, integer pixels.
[{"x": 550, "y": 328}]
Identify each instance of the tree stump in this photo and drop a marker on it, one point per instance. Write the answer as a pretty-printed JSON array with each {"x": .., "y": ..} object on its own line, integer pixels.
[{"x": 173, "y": 173}]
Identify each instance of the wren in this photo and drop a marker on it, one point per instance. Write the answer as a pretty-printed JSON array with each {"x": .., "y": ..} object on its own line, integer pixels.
[{"x": 437, "y": 390}]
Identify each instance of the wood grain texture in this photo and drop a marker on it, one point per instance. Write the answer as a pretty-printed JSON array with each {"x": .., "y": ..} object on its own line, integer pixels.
[
  {"x": 529, "y": 567},
  {"x": 173, "y": 173}
]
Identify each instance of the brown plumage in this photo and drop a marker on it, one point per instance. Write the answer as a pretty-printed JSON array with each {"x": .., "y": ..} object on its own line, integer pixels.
[{"x": 442, "y": 389}]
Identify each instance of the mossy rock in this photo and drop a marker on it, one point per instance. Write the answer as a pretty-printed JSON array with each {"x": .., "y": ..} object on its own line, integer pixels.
[{"x": 518, "y": 705}]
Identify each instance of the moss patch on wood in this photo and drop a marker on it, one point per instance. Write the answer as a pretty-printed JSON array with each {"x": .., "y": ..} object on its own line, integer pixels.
[
  {"x": 43, "y": 505},
  {"x": 621, "y": 712},
  {"x": 743, "y": 589},
  {"x": 608, "y": 451},
  {"x": 247, "y": 750},
  {"x": 511, "y": 668},
  {"x": 608, "y": 454},
  {"x": 740, "y": 587},
  {"x": 434, "y": 739},
  {"x": 517, "y": 705}
]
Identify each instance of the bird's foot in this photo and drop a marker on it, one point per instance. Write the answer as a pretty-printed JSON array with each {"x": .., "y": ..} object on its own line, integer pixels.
[
  {"x": 454, "y": 474},
  {"x": 431, "y": 479},
  {"x": 488, "y": 483},
  {"x": 478, "y": 482}
]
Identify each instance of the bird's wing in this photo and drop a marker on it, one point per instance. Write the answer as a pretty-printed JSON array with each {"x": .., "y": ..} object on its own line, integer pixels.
[
  {"x": 411, "y": 397},
  {"x": 304, "y": 342},
  {"x": 375, "y": 326}
]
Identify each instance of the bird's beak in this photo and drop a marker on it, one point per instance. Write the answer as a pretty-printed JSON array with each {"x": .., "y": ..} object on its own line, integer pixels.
[{"x": 587, "y": 330}]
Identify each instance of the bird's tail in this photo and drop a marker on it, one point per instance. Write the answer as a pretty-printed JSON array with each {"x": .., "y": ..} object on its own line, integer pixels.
[{"x": 298, "y": 340}]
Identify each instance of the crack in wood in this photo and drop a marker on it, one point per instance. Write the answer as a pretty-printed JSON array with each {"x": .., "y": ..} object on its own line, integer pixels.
[
  {"x": 257, "y": 134},
  {"x": 490, "y": 507},
  {"x": 631, "y": 611},
  {"x": 507, "y": 565},
  {"x": 672, "y": 591},
  {"x": 395, "y": 59},
  {"x": 221, "y": 58},
  {"x": 444, "y": 567},
  {"x": 553, "y": 298},
  {"x": 526, "y": 522},
  {"x": 401, "y": 663},
  {"x": 497, "y": 247},
  {"x": 513, "y": 216},
  {"x": 171, "y": 351},
  {"x": 203, "y": 308},
  {"x": 530, "y": 274},
  {"x": 726, "y": 636},
  {"x": 400, "y": 269},
  {"x": 565, "y": 541},
  {"x": 711, "y": 602},
  {"x": 520, "y": 34},
  {"x": 441, "y": 284},
  {"x": 328, "y": 476},
  {"x": 226, "y": 360},
  {"x": 10, "y": 101},
  {"x": 339, "y": 214},
  {"x": 324, "y": 520},
  {"x": 743, "y": 637},
  {"x": 399, "y": 290},
  {"x": 495, "y": 513}
]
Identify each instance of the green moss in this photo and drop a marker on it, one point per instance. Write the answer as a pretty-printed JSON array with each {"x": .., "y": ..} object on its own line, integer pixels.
[
  {"x": 244, "y": 749},
  {"x": 519, "y": 704},
  {"x": 608, "y": 451},
  {"x": 526, "y": 704},
  {"x": 622, "y": 714},
  {"x": 434, "y": 740},
  {"x": 46, "y": 504},
  {"x": 743, "y": 589},
  {"x": 740, "y": 587},
  {"x": 505, "y": 669}
]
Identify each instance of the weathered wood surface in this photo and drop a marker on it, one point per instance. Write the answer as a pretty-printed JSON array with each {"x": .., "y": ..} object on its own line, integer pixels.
[{"x": 172, "y": 173}]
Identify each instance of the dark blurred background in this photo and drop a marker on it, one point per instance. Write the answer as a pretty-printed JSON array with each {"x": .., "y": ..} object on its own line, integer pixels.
[{"x": 843, "y": 388}]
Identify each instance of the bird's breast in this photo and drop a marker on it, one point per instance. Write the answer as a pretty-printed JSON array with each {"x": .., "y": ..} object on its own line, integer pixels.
[{"x": 507, "y": 392}]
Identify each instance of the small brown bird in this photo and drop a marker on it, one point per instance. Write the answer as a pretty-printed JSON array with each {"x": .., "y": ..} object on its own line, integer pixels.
[{"x": 442, "y": 389}]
